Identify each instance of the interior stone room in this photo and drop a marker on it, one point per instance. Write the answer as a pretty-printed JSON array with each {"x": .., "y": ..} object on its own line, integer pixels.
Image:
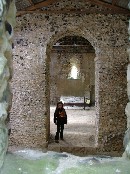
[{"x": 70, "y": 51}]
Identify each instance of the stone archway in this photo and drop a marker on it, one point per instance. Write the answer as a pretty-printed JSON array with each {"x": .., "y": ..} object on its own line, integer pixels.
[
  {"x": 68, "y": 87},
  {"x": 89, "y": 37},
  {"x": 30, "y": 111},
  {"x": 105, "y": 112}
]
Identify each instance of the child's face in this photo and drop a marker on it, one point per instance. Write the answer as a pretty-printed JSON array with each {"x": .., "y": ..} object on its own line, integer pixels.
[{"x": 59, "y": 106}]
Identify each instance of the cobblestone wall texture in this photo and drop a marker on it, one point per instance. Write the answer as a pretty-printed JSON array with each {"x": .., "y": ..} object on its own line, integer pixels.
[
  {"x": 34, "y": 36},
  {"x": 7, "y": 21}
]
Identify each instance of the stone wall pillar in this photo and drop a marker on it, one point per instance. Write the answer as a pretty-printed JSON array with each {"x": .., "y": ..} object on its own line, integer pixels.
[
  {"x": 112, "y": 98},
  {"x": 7, "y": 21},
  {"x": 127, "y": 110}
]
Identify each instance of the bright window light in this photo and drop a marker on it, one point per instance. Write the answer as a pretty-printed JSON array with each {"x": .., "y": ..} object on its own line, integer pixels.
[{"x": 74, "y": 72}]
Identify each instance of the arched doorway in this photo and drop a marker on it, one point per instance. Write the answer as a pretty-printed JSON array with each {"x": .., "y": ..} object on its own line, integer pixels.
[
  {"x": 31, "y": 103},
  {"x": 72, "y": 80}
]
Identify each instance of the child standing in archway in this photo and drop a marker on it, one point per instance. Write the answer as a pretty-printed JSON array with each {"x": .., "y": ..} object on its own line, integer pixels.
[{"x": 60, "y": 118}]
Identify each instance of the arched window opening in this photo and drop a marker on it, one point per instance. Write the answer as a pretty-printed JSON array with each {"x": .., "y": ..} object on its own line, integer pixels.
[{"x": 74, "y": 70}]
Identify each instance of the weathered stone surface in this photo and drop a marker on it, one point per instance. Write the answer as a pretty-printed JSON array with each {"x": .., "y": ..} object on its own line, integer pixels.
[
  {"x": 128, "y": 73},
  {"x": 34, "y": 36},
  {"x": 128, "y": 150},
  {"x": 127, "y": 138},
  {"x": 128, "y": 89},
  {"x": 127, "y": 110},
  {"x": 128, "y": 51},
  {"x": 7, "y": 16}
]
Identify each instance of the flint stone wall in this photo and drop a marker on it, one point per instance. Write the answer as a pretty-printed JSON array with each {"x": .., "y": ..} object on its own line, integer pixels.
[
  {"x": 34, "y": 36},
  {"x": 7, "y": 21}
]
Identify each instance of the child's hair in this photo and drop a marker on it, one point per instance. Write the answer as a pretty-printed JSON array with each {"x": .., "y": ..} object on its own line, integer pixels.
[{"x": 60, "y": 102}]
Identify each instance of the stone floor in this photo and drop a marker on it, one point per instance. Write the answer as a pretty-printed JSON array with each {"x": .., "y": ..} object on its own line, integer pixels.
[
  {"x": 80, "y": 130},
  {"x": 27, "y": 161}
]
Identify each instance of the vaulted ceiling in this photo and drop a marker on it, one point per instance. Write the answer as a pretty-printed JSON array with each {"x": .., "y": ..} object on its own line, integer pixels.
[{"x": 41, "y": 6}]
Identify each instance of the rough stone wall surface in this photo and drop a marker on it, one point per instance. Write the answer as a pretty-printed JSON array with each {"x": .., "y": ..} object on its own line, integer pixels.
[
  {"x": 34, "y": 36},
  {"x": 112, "y": 99},
  {"x": 127, "y": 109},
  {"x": 7, "y": 18},
  {"x": 60, "y": 68}
]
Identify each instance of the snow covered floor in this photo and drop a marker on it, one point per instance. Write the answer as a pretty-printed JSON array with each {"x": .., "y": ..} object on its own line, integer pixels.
[{"x": 80, "y": 130}]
